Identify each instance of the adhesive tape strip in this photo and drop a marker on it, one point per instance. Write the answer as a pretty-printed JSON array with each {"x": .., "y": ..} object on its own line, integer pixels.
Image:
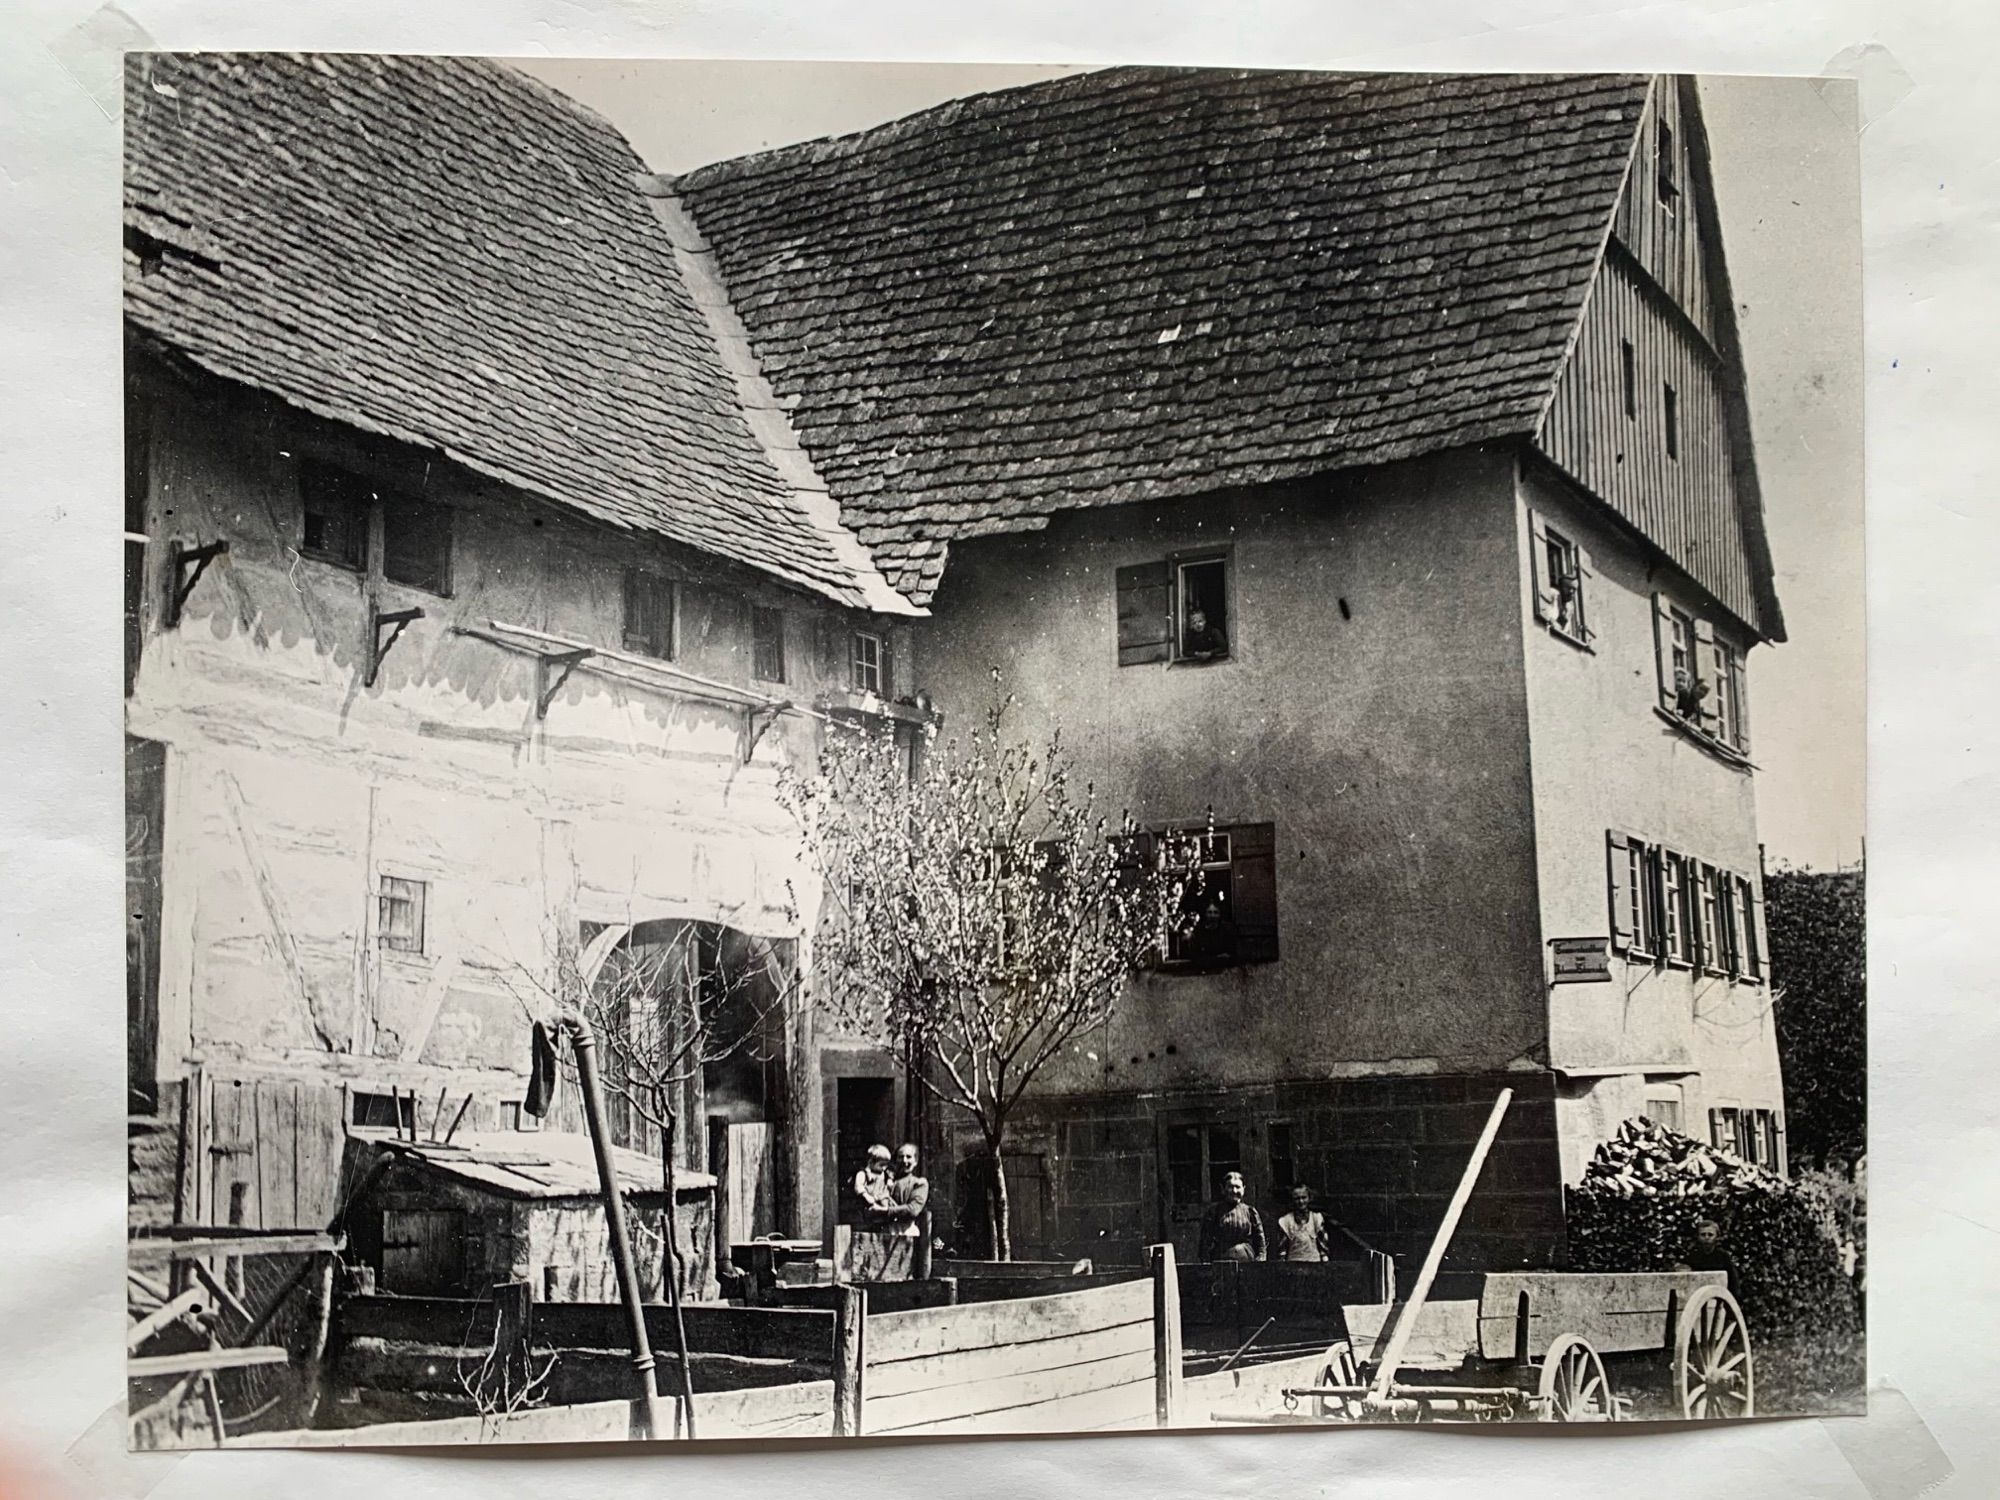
[{"x": 1890, "y": 1450}]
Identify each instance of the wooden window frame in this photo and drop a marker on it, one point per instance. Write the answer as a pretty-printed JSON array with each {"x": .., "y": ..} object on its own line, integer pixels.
[
  {"x": 313, "y": 475},
  {"x": 1628, "y": 370},
  {"x": 1558, "y": 567},
  {"x": 1666, "y": 1093},
  {"x": 1670, "y": 418},
  {"x": 861, "y": 668},
  {"x": 414, "y": 946},
  {"x": 1681, "y": 940},
  {"x": 1177, "y": 565},
  {"x": 1632, "y": 874},
  {"x": 767, "y": 643},
  {"x": 422, "y": 508},
  {"x": 644, "y": 589},
  {"x": 1666, "y": 166}
]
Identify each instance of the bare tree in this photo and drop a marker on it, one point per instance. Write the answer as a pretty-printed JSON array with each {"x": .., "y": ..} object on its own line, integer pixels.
[
  {"x": 979, "y": 913},
  {"x": 667, "y": 1001}
]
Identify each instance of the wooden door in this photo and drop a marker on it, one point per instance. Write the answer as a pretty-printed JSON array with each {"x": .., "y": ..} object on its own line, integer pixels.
[{"x": 753, "y": 1182}]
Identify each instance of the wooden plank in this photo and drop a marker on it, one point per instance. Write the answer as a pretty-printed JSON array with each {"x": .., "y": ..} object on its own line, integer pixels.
[
  {"x": 1016, "y": 1270},
  {"x": 1166, "y": 1332},
  {"x": 850, "y": 1361},
  {"x": 910, "y": 1335},
  {"x": 1005, "y": 1289},
  {"x": 752, "y": 1332},
  {"x": 148, "y": 1366},
  {"x": 194, "y": 1300},
  {"x": 939, "y": 1372},
  {"x": 1618, "y": 1312},
  {"x": 1001, "y": 1404},
  {"x": 1445, "y": 1336},
  {"x": 164, "y": 1248},
  {"x": 802, "y": 1409}
]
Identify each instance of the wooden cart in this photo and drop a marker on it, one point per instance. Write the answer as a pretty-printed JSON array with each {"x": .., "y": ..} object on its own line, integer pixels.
[
  {"x": 1525, "y": 1345},
  {"x": 1507, "y": 1346}
]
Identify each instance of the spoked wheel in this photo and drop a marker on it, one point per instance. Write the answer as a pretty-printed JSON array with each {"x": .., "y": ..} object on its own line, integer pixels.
[
  {"x": 1574, "y": 1386},
  {"x": 1712, "y": 1370},
  {"x": 1341, "y": 1368}
]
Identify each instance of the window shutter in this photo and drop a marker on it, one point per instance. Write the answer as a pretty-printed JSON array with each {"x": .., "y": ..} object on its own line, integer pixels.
[
  {"x": 1705, "y": 651},
  {"x": 1538, "y": 565},
  {"x": 1663, "y": 649},
  {"x": 1753, "y": 929},
  {"x": 1579, "y": 616},
  {"x": 1254, "y": 872},
  {"x": 888, "y": 668},
  {"x": 1741, "y": 699},
  {"x": 1145, "y": 614},
  {"x": 1618, "y": 854}
]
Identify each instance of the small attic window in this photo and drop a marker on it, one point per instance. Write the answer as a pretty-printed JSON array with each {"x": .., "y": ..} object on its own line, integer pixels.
[
  {"x": 1628, "y": 369},
  {"x": 1665, "y": 165},
  {"x": 1670, "y": 403}
]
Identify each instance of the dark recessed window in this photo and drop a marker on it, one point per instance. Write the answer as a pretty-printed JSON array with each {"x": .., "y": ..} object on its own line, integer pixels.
[
  {"x": 1666, "y": 165},
  {"x": 384, "y": 1111},
  {"x": 1628, "y": 369},
  {"x": 337, "y": 505},
  {"x": 649, "y": 614},
  {"x": 400, "y": 914},
  {"x": 767, "y": 630},
  {"x": 416, "y": 543},
  {"x": 1202, "y": 601},
  {"x": 1671, "y": 410}
]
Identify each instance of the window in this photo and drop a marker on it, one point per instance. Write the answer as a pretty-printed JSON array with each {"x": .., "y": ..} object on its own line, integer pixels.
[
  {"x": 416, "y": 543},
  {"x": 1663, "y": 1104},
  {"x": 1670, "y": 414},
  {"x": 1557, "y": 566},
  {"x": 514, "y": 1116},
  {"x": 767, "y": 639},
  {"x": 1233, "y": 906},
  {"x": 649, "y": 614},
  {"x": 1666, "y": 165},
  {"x": 1634, "y": 923},
  {"x": 1628, "y": 369},
  {"x": 400, "y": 914},
  {"x": 1753, "y": 1134},
  {"x": 384, "y": 1111},
  {"x": 1176, "y": 610},
  {"x": 1198, "y": 1158},
  {"x": 1714, "y": 907},
  {"x": 869, "y": 661},
  {"x": 1750, "y": 951},
  {"x": 337, "y": 506},
  {"x": 1201, "y": 610},
  {"x": 1701, "y": 678},
  {"x": 1677, "y": 908}
]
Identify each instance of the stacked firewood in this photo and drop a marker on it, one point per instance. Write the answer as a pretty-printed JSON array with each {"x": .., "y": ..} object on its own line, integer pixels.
[{"x": 1646, "y": 1189}]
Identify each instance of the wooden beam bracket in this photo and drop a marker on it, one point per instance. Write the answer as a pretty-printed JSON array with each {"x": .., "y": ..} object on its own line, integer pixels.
[
  {"x": 552, "y": 671},
  {"x": 185, "y": 565},
  {"x": 396, "y": 621}
]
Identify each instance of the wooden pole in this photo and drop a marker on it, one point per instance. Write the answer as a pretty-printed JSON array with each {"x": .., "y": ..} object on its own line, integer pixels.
[
  {"x": 649, "y": 1416},
  {"x": 850, "y": 1323},
  {"x": 1406, "y": 1323},
  {"x": 1166, "y": 1335}
]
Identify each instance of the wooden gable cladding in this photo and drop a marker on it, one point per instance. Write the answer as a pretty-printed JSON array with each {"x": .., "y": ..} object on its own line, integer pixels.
[
  {"x": 1648, "y": 432},
  {"x": 1663, "y": 209}
]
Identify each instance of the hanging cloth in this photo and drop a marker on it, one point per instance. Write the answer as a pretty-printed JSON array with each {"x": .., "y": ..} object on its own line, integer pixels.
[{"x": 542, "y": 1073}]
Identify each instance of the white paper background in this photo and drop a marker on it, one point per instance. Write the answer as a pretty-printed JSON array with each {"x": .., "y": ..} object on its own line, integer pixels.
[{"x": 1932, "y": 113}]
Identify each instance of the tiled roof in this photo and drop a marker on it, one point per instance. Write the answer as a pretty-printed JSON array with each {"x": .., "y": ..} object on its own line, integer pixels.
[
  {"x": 447, "y": 252},
  {"x": 1143, "y": 283}
]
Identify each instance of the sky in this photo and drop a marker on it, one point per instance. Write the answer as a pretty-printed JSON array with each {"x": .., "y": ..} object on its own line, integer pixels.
[{"x": 1787, "y": 180}]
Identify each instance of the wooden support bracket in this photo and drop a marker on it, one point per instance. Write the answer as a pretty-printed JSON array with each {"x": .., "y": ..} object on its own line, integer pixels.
[
  {"x": 396, "y": 620},
  {"x": 552, "y": 671},
  {"x": 185, "y": 565},
  {"x": 756, "y": 720}
]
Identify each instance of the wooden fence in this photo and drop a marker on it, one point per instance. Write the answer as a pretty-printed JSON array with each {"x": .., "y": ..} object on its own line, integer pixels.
[{"x": 1070, "y": 1361}]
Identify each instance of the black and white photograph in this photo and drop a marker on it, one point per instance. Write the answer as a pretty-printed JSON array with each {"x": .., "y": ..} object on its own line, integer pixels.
[{"x": 857, "y": 750}]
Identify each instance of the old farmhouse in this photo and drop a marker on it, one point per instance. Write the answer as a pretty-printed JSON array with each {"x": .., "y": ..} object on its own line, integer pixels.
[
  {"x": 475, "y": 592},
  {"x": 1363, "y": 461}
]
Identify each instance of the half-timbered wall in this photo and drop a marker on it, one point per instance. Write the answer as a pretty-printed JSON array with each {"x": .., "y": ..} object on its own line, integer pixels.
[{"x": 294, "y": 791}]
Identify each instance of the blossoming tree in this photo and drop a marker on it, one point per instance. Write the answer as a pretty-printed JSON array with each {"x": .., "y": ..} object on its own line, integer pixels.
[{"x": 980, "y": 913}]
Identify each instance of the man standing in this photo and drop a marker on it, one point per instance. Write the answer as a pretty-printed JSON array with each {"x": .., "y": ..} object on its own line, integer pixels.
[
  {"x": 1302, "y": 1233},
  {"x": 910, "y": 1199},
  {"x": 1231, "y": 1229}
]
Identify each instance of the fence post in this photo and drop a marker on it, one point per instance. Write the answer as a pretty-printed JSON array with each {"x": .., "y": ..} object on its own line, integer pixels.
[
  {"x": 513, "y": 1308},
  {"x": 1166, "y": 1335},
  {"x": 850, "y": 1354},
  {"x": 723, "y": 1208}
]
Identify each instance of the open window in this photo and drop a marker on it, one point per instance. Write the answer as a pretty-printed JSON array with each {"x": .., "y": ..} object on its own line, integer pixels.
[
  {"x": 1701, "y": 678},
  {"x": 1230, "y": 908},
  {"x": 337, "y": 506},
  {"x": 1178, "y": 610},
  {"x": 1557, "y": 563},
  {"x": 650, "y": 614}
]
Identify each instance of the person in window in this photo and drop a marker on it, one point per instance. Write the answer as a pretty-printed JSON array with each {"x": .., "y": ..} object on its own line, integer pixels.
[
  {"x": 1202, "y": 639},
  {"x": 1302, "y": 1232},
  {"x": 1231, "y": 1229}
]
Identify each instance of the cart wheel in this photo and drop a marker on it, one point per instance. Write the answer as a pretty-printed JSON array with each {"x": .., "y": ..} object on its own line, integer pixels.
[
  {"x": 1341, "y": 1368},
  {"x": 1712, "y": 1369},
  {"x": 1574, "y": 1386}
]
